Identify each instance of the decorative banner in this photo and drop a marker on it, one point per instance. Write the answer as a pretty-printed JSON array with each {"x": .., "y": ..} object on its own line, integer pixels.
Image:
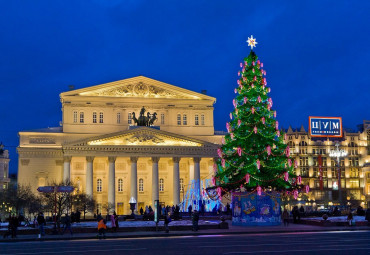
[
  {"x": 325, "y": 126},
  {"x": 249, "y": 209},
  {"x": 320, "y": 172}
]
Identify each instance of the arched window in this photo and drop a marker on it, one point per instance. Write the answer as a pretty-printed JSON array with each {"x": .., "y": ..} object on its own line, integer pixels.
[
  {"x": 101, "y": 117},
  {"x": 202, "y": 119},
  {"x": 178, "y": 119},
  {"x": 120, "y": 185},
  {"x": 99, "y": 185},
  {"x": 184, "y": 119},
  {"x": 196, "y": 119},
  {"x": 82, "y": 117},
  {"x": 129, "y": 118},
  {"x": 118, "y": 118},
  {"x": 181, "y": 185},
  {"x": 141, "y": 185},
  {"x": 75, "y": 117},
  {"x": 94, "y": 117},
  {"x": 161, "y": 184}
]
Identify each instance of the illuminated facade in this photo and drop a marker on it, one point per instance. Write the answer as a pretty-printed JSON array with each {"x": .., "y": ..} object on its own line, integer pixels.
[
  {"x": 355, "y": 167},
  {"x": 4, "y": 168},
  {"x": 101, "y": 150}
]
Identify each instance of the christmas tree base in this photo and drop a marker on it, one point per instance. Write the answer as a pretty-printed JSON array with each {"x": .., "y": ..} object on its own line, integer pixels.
[{"x": 249, "y": 209}]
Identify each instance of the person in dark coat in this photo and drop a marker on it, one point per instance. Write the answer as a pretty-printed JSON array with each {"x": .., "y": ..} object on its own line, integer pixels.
[
  {"x": 141, "y": 211},
  {"x": 167, "y": 220},
  {"x": 367, "y": 215},
  {"x": 67, "y": 224},
  {"x": 195, "y": 219},
  {"x": 190, "y": 209},
  {"x": 41, "y": 222}
]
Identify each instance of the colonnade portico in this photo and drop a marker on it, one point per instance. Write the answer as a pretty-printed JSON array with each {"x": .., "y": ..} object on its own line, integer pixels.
[{"x": 194, "y": 173}]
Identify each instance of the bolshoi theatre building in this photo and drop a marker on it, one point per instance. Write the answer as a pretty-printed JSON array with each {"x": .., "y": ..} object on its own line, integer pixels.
[
  {"x": 137, "y": 137},
  {"x": 150, "y": 140}
]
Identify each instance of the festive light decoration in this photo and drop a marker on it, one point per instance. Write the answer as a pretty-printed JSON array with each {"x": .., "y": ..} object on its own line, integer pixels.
[
  {"x": 252, "y": 42},
  {"x": 295, "y": 194},
  {"x": 307, "y": 189},
  {"x": 254, "y": 156},
  {"x": 299, "y": 180}
]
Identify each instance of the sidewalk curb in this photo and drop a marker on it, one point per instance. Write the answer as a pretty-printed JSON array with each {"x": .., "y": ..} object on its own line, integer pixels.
[{"x": 75, "y": 237}]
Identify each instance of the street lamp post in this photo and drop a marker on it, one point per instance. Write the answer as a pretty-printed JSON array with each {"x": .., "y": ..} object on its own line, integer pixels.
[{"x": 338, "y": 154}]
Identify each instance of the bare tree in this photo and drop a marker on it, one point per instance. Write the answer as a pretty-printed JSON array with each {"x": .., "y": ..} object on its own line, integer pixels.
[{"x": 84, "y": 203}]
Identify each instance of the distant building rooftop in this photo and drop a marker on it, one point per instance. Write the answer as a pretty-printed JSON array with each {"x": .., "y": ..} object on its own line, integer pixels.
[{"x": 46, "y": 130}]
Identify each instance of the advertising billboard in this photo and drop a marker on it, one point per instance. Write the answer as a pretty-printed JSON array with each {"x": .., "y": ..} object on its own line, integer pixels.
[{"x": 325, "y": 126}]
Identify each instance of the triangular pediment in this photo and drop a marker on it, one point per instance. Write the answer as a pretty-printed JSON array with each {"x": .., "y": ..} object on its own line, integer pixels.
[
  {"x": 142, "y": 136},
  {"x": 138, "y": 87}
]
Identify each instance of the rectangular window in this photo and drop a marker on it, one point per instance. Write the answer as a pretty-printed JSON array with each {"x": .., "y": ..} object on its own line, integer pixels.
[
  {"x": 162, "y": 118},
  {"x": 118, "y": 118},
  {"x": 141, "y": 185},
  {"x": 181, "y": 185},
  {"x": 179, "y": 119},
  {"x": 184, "y": 119},
  {"x": 82, "y": 117},
  {"x": 196, "y": 119},
  {"x": 202, "y": 119},
  {"x": 101, "y": 117},
  {"x": 129, "y": 118},
  {"x": 94, "y": 117},
  {"x": 161, "y": 185},
  {"x": 99, "y": 185},
  {"x": 75, "y": 117}
]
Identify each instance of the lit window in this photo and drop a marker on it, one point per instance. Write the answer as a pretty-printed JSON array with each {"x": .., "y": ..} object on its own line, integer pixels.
[
  {"x": 99, "y": 185},
  {"x": 129, "y": 118},
  {"x": 196, "y": 119},
  {"x": 162, "y": 118},
  {"x": 118, "y": 117},
  {"x": 141, "y": 185},
  {"x": 120, "y": 185},
  {"x": 181, "y": 185},
  {"x": 202, "y": 119},
  {"x": 184, "y": 119},
  {"x": 101, "y": 117},
  {"x": 82, "y": 117},
  {"x": 94, "y": 117},
  {"x": 75, "y": 117},
  {"x": 178, "y": 119},
  {"x": 161, "y": 184}
]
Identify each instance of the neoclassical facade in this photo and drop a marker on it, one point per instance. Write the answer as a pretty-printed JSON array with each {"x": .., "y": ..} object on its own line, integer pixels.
[
  {"x": 4, "y": 168},
  {"x": 100, "y": 148}
]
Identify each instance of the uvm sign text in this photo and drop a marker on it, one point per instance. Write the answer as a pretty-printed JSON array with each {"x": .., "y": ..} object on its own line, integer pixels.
[{"x": 325, "y": 126}]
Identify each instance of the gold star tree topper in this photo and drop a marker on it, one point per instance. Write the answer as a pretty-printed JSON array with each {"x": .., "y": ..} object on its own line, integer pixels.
[{"x": 252, "y": 42}]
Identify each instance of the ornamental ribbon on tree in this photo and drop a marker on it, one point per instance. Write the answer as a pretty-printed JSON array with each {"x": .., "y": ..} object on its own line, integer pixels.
[
  {"x": 255, "y": 78},
  {"x": 219, "y": 152},
  {"x": 241, "y": 64},
  {"x": 261, "y": 64},
  {"x": 299, "y": 180},
  {"x": 295, "y": 194},
  {"x": 253, "y": 70},
  {"x": 264, "y": 81},
  {"x": 270, "y": 102},
  {"x": 223, "y": 140},
  {"x": 239, "y": 73},
  {"x": 247, "y": 178},
  {"x": 239, "y": 150},
  {"x": 253, "y": 63},
  {"x": 252, "y": 85},
  {"x": 259, "y": 190},
  {"x": 238, "y": 82},
  {"x": 268, "y": 150},
  {"x": 286, "y": 176},
  {"x": 278, "y": 133}
]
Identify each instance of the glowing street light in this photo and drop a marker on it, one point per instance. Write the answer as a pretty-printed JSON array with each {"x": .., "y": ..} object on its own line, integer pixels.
[{"x": 337, "y": 153}]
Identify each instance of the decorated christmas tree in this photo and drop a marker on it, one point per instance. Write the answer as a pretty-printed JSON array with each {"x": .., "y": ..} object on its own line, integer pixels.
[{"x": 253, "y": 155}]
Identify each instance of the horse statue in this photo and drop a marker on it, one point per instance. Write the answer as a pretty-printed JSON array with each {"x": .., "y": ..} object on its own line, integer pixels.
[
  {"x": 143, "y": 120},
  {"x": 134, "y": 118},
  {"x": 152, "y": 119}
]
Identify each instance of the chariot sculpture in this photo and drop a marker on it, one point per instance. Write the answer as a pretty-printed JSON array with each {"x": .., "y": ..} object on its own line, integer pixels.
[{"x": 143, "y": 120}]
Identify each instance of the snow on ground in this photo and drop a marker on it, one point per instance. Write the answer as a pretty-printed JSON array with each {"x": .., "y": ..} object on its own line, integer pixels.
[
  {"x": 340, "y": 218},
  {"x": 125, "y": 224}
]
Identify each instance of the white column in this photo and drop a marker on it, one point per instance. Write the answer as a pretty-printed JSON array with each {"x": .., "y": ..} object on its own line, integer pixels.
[
  {"x": 176, "y": 181},
  {"x": 111, "y": 182},
  {"x": 155, "y": 179},
  {"x": 197, "y": 176},
  {"x": 67, "y": 169},
  {"x": 89, "y": 176},
  {"x": 133, "y": 184}
]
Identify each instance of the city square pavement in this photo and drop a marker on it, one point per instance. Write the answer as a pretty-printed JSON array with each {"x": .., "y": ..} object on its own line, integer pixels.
[{"x": 233, "y": 230}]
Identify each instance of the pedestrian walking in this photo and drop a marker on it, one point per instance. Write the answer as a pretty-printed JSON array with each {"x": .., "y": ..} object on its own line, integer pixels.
[
  {"x": 167, "y": 220},
  {"x": 116, "y": 221},
  {"x": 113, "y": 222},
  {"x": 67, "y": 224},
  {"x": 195, "y": 219},
  {"x": 9, "y": 231},
  {"x": 101, "y": 228},
  {"x": 41, "y": 222},
  {"x": 350, "y": 218},
  {"x": 190, "y": 208},
  {"x": 14, "y": 226},
  {"x": 285, "y": 217}
]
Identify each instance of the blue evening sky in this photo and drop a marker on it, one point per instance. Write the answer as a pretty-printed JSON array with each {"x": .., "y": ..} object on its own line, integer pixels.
[{"x": 316, "y": 54}]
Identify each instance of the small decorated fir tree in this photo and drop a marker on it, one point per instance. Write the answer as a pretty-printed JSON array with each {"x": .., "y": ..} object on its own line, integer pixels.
[{"x": 253, "y": 156}]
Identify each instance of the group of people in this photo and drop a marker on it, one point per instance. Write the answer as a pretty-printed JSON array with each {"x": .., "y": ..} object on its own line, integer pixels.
[
  {"x": 296, "y": 213},
  {"x": 148, "y": 213},
  {"x": 102, "y": 224},
  {"x": 14, "y": 222}
]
